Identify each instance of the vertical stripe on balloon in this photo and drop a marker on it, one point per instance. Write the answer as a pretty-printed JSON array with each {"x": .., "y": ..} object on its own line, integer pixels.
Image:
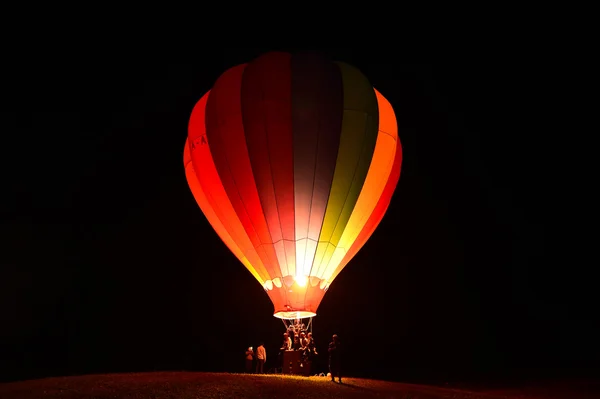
[
  {"x": 209, "y": 181},
  {"x": 225, "y": 134},
  {"x": 378, "y": 212},
  {"x": 267, "y": 117},
  {"x": 357, "y": 143},
  {"x": 317, "y": 109},
  {"x": 211, "y": 215},
  {"x": 375, "y": 183}
]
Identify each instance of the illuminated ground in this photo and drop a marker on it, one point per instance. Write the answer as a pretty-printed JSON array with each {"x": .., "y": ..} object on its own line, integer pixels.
[{"x": 186, "y": 385}]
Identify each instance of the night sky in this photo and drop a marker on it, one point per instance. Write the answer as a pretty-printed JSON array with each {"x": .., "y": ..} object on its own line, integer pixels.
[{"x": 107, "y": 263}]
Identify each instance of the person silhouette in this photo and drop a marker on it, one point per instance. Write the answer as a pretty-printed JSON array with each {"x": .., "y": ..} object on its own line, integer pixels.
[
  {"x": 261, "y": 358},
  {"x": 335, "y": 361},
  {"x": 249, "y": 358}
]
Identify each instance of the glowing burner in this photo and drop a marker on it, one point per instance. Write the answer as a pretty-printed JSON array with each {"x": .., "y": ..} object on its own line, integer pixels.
[{"x": 301, "y": 280}]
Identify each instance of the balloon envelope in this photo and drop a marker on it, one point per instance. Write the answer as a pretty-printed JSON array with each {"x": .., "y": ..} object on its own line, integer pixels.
[{"x": 293, "y": 160}]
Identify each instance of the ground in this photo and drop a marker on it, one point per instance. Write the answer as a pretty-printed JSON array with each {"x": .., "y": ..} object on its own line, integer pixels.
[{"x": 187, "y": 385}]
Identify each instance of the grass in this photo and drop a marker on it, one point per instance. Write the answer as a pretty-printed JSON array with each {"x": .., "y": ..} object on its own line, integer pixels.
[{"x": 188, "y": 385}]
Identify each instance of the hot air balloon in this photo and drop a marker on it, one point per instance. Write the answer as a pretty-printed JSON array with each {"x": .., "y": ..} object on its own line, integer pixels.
[{"x": 293, "y": 159}]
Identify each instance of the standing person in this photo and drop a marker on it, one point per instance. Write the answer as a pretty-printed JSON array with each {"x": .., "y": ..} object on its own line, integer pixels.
[
  {"x": 249, "y": 358},
  {"x": 285, "y": 346},
  {"x": 261, "y": 358},
  {"x": 303, "y": 341},
  {"x": 287, "y": 342},
  {"x": 335, "y": 363},
  {"x": 296, "y": 344},
  {"x": 311, "y": 344}
]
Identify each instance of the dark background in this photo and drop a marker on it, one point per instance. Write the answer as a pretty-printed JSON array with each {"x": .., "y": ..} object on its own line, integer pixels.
[{"x": 108, "y": 265}]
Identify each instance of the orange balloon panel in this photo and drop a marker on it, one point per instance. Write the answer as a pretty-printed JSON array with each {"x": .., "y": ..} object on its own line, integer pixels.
[{"x": 293, "y": 160}]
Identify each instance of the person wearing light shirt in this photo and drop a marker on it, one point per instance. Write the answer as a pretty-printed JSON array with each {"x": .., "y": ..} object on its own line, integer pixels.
[
  {"x": 261, "y": 358},
  {"x": 285, "y": 346},
  {"x": 287, "y": 342}
]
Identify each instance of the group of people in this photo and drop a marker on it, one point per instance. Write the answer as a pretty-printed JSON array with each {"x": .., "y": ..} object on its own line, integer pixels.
[
  {"x": 296, "y": 338},
  {"x": 261, "y": 358},
  {"x": 302, "y": 341}
]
